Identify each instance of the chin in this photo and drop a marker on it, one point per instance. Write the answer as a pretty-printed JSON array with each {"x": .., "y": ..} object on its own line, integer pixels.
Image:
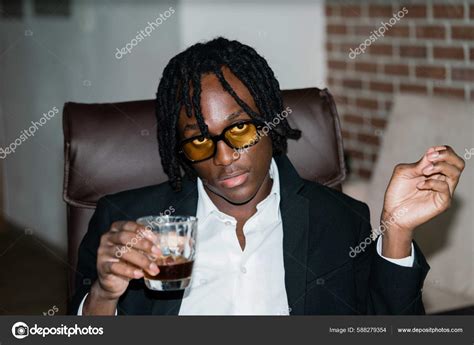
[{"x": 238, "y": 195}]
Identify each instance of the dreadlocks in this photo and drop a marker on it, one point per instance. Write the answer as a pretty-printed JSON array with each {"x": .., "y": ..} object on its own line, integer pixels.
[{"x": 185, "y": 70}]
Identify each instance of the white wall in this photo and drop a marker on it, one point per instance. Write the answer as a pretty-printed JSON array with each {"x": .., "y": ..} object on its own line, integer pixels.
[
  {"x": 72, "y": 59},
  {"x": 69, "y": 59},
  {"x": 290, "y": 35}
]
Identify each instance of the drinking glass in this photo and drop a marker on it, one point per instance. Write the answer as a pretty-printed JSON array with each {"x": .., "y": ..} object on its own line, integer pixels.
[{"x": 176, "y": 238}]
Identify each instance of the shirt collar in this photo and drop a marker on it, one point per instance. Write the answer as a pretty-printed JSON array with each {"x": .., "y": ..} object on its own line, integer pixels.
[{"x": 206, "y": 207}]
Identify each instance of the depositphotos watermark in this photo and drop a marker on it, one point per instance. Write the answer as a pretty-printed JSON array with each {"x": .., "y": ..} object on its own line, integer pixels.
[
  {"x": 269, "y": 125},
  {"x": 145, "y": 32},
  {"x": 130, "y": 244},
  {"x": 469, "y": 153},
  {"x": 27, "y": 133},
  {"x": 376, "y": 232},
  {"x": 21, "y": 330},
  {"x": 51, "y": 311},
  {"x": 380, "y": 32}
]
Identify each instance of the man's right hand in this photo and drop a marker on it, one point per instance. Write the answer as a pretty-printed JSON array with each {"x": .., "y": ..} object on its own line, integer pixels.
[{"x": 125, "y": 252}]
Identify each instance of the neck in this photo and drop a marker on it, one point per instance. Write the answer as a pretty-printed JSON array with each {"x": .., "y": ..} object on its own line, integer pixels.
[{"x": 242, "y": 212}]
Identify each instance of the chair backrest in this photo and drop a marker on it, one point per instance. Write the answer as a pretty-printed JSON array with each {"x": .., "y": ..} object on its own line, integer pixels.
[{"x": 113, "y": 147}]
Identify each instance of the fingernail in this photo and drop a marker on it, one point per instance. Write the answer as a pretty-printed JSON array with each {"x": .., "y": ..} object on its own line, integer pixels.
[
  {"x": 419, "y": 184},
  {"x": 155, "y": 250},
  {"x": 147, "y": 233},
  {"x": 137, "y": 273},
  {"x": 153, "y": 267},
  {"x": 429, "y": 167},
  {"x": 433, "y": 154}
]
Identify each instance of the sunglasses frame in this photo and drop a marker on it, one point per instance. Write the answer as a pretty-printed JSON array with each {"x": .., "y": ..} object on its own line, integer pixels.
[{"x": 216, "y": 138}]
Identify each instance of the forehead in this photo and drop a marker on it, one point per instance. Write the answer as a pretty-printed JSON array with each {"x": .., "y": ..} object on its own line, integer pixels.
[{"x": 217, "y": 104}]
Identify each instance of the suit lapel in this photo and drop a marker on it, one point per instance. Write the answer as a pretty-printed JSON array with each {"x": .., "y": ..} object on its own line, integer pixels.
[{"x": 295, "y": 214}]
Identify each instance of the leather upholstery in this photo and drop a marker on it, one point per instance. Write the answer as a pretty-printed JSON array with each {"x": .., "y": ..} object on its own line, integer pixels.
[{"x": 112, "y": 147}]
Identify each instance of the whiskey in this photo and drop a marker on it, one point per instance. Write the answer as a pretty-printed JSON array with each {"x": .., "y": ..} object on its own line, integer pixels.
[{"x": 172, "y": 268}]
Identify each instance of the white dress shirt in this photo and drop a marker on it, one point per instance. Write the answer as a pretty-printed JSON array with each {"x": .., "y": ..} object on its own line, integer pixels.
[{"x": 229, "y": 281}]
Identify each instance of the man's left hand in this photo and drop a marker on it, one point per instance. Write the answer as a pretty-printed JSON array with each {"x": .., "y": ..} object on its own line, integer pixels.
[{"x": 418, "y": 192}]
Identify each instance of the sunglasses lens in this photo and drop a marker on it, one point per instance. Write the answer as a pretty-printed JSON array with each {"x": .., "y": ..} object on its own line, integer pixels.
[
  {"x": 238, "y": 136},
  {"x": 242, "y": 135},
  {"x": 199, "y": 149}
]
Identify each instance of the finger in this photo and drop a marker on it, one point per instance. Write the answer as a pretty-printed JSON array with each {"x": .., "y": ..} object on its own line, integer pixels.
[
  {"x": 451, "y": 172},
  {"x": 441, "y": 187},
  {"x": 143, "y": 231},
  {"x": 140, "y": 260},
  {"x": 448, "y": 155},
  {"x": 138, "y": 241},
  {"x": 444, "y": 168},
  {"x": 440, "y": 177},
  {"x": 423, "y": 163},
  {"x": 123, "y": 269},
  {"x": 437, "y": 148},
  {"x": 133, "y": 227},
  {"x": 126, "y": 225},
  {"x": 117, "y": 226}
]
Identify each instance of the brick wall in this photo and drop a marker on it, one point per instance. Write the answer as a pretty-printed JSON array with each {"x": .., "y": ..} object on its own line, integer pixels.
[{"x": 428, "y": 50}]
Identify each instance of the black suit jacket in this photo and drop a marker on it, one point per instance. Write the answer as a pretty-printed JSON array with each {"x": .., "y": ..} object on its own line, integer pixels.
[{"x": 320, "y": 225}]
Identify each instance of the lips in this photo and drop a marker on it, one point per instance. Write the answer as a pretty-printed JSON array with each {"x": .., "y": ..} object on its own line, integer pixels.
[{"x": 235, "y": 179}]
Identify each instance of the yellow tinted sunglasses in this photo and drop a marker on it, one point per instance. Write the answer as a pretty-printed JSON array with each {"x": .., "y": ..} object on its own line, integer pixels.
[{"x": 239, "y": 135}]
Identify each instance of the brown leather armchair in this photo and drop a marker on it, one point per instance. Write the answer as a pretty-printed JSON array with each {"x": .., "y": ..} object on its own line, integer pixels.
[{"x": 113, "y": 147}]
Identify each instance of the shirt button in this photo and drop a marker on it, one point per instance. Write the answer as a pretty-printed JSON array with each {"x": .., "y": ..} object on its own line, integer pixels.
[
  {"x": 243, "y": 269},
  {"x": 228, "y": 223}
]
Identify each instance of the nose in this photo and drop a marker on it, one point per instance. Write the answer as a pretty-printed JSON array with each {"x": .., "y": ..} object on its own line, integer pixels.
[{"x": 225, "y": 154}]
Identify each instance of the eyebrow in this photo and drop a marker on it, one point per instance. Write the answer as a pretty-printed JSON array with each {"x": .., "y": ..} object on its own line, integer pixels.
[{"x": 228, "y": 118}]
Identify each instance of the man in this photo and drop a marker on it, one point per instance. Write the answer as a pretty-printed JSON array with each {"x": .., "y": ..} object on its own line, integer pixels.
[{"x": 269, "y": 242}]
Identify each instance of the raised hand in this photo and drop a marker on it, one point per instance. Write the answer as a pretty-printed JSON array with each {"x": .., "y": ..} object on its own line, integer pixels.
[{"x": 419, "y": 192}]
